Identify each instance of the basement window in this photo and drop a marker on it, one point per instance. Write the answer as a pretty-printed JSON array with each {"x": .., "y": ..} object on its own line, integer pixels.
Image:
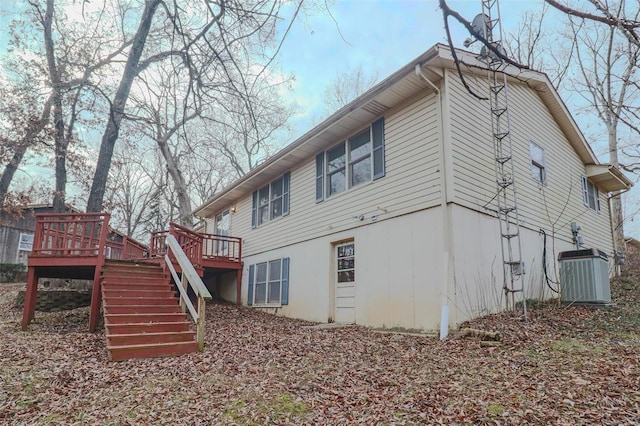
[{"x": 269, "y": 283}]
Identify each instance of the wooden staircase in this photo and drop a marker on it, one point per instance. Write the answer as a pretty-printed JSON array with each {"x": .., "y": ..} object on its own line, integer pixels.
[{"x": 142, "y": 314}]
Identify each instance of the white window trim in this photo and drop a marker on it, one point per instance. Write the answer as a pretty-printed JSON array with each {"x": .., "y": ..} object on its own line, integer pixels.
[
  {"x": 25, "y": 245},
  {"x": 348, "y": 163},
  {"x": 586, "y": 194},
  {"x": 542, "y": 166},
  {"x": 266, "y": 304},
  {"x": 285, "y": 200}
]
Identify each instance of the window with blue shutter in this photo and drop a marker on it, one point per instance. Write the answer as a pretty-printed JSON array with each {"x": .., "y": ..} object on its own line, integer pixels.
[
  {"x": 254, "y": 208},
  {"x": 285, "y": 193},
  {"x": 319, "y": 177},
  {"x": 250, "y": 286},
  {"x": 359, "y": 159},
  {"x": 377, "y": 131},
  {"x": 271, "y": 201},
  {"x": 284, "y": 298},
  {"x": 269, "y": 283}
]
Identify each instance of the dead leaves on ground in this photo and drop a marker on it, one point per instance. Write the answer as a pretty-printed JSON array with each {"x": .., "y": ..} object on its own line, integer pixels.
[{"x": 564, "y": 366}]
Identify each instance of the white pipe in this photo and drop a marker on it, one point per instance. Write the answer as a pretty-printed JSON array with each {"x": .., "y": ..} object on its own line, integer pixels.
[{"x": 444, "y": 312}]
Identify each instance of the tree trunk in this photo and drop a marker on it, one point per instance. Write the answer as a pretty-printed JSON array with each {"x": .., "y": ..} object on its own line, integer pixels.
[
  {"x": 10, "y": 170},
  {"x": 616, "y": 200},
  {"x": 32, "y": 132},
  {"x": 184, "y": 202},
  {"x": 116, "y": 112},
  {"x": 58, "y": 121}
]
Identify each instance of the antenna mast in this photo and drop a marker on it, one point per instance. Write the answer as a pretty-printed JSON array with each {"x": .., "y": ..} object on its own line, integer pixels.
[{"x": 512, "y": 264}]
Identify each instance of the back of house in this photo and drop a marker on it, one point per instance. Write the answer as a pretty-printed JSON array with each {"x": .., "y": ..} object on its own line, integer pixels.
[{"x": 385, "y": 214}]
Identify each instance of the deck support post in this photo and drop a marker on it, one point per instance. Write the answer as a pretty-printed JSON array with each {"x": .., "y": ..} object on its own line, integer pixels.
[
  {"x": 239, "y": 287},
  {"x": 96, "y": 299},
  {"x": 200, "y": 323},
  {"x": 30, "y": 297}
]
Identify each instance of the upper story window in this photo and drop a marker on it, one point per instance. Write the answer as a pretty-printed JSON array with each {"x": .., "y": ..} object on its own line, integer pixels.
[
  {"x": 538, "y": 171},
  {"x": 271, "y": 201},
  {"x": 357, "y": 160},
  {"x": 591, "y": 195}
]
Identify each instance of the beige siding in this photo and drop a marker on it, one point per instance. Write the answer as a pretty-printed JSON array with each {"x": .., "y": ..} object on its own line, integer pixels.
[
  {"x": 551, "y": 207},
  {"x": 411, "y": 184},
  {"x": 394, "y": 287},
  {"x": 478, "y": 266}
]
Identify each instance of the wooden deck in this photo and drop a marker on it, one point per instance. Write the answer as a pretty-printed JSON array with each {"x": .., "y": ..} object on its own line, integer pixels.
[{"x": 76, "y": 246}]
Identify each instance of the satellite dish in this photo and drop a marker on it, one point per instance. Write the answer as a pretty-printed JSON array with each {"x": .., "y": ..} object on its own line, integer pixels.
[{"x": 482, "y": 25}]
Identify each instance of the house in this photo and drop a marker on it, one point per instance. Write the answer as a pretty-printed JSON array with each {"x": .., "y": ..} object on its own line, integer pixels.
[
  {"x": 16, "y": 232},
  {"x": 385, "y": 214}
]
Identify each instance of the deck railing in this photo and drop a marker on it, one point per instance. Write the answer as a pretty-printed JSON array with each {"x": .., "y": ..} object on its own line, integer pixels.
[
  {"x": 189, "y": 279},
  {"x": 198, "y": 247},
  {"x": 70, "y": 235},
  {"x": 190, "y": 242},
  {"x": 127, "y": 249},
  {"x": 221, "y": 246}
]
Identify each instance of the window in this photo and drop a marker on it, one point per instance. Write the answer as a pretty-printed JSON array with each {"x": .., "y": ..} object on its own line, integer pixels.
[
  {"x": 271, "y": 201},
  {"x": 591, "y": 195},
  {"x": 358, "y": 160},
  {"x": 336, "y": 171},
  {"x": 269, "y": 283},
  {"x": 346, "y": 263},
  {"x": 538, "y": 171},
  {"x": 26, "y": 242},
  {"x": 222, "y": 228}
]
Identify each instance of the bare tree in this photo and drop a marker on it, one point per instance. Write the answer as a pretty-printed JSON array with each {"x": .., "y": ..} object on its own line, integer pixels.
[
  {"x": 539, "y": 48},
  {"x": 203, "y": 39},
  {"x": 347, "y": 86},
  {"x": 607, "y": 64}
]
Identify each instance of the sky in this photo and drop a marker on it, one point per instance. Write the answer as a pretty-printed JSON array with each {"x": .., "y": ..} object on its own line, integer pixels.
[{"x": 380, "y": 36}]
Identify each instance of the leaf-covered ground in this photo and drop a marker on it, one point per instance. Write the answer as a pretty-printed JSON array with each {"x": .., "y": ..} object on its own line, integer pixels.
[{"x": 567, "y": 365}]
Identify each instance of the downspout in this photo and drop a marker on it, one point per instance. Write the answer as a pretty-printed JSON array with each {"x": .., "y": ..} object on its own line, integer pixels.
[{"x": 447, "y": 237}]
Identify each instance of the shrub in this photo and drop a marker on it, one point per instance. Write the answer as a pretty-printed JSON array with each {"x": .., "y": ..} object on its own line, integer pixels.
[{"x": 9, "y": 272}]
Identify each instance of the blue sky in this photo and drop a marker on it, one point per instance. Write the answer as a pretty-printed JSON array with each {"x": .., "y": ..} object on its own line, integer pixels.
[{"x": 379, "y": 35}]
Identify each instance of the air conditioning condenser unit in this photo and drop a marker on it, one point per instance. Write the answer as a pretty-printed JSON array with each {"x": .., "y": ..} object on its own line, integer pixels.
[{"x": 584, "y": 276}]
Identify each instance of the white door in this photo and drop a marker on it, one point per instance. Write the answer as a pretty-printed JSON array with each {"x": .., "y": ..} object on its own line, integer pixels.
[{"x": 345, "y": 291}]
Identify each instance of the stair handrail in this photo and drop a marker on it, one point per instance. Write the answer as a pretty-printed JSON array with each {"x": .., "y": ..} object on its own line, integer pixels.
[{"x": 189, "y": 276}]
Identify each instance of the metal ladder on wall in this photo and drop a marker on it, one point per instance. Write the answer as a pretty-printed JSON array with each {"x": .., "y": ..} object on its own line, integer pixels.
[{"x": 513, "y": 266}]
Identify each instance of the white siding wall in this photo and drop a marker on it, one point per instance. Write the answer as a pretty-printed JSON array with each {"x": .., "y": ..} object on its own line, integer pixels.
[
  {"x": 478, "y": 264},
  {"x": 551, "y": 207},
  {"x": 399, "y": 270},
  {"x": 411, "y": 184}
]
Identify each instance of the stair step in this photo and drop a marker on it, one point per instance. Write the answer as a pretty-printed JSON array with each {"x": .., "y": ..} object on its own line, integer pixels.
[
  {"x": 142, "y": 309},
  {"x": 119, "y": 353},
  {"x": 150, "y": 327},
  {"x": 144, "y": 318},
  {"x": 126, "y": 279},
  {"x": 150, "y": 338},
  {"x": 125, "y": 266},
  {"x": 126, "y": 301},
  {"x": 136, "y": 286},
  {"x": 108, "y": 293}
]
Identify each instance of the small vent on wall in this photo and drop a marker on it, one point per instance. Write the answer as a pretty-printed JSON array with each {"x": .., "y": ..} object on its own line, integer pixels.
[{"x": 375, "y": 108}]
